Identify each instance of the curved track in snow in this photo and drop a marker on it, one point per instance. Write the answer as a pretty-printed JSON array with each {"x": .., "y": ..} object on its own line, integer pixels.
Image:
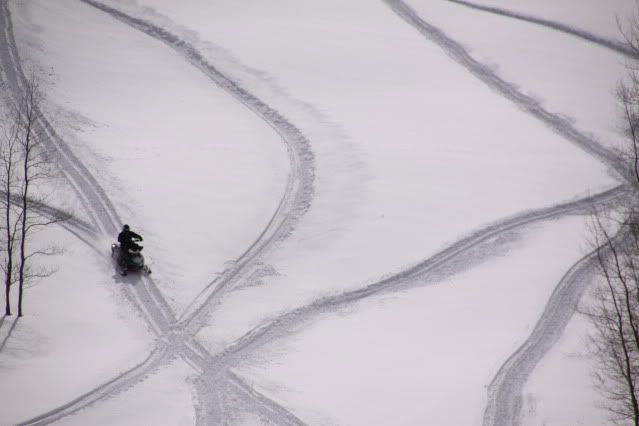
[
  {"x": 174, "y": 334},
  {"x": 504, "y": 399},
  {"x": 110, "y": 388},
  {"x": 267, "y": 408},
  {"x": 505, "y": 391},
  {"x": 294, "y": 203},
  {"x": 299, "y": 190},
  {"x": 92, "y": 195},
  {"x": 442, "y": 263},
  {"x": 459, "y": 54},
  {"x": 615, "y": 45}
]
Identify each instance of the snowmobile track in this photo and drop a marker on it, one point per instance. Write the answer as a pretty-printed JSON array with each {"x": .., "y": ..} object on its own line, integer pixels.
[
  {"x": 615, "y": 45},
  {"x": 504, "y": 400},
  {"x": 109, "y": 389},
  {"x": 505, "y": 390},
  {"x": 459, "y": 54},
  {"x": 281, "y": 225},
  {"x": 294, "y": 203},
  {"x": 215, "y": 366},
  {"x": 89, "y": 191},
  {"x": 76, "y": 173},
  {"x": 264, "y": 405},
  {"x": 273, "y": 329},
  {"x": 299, "y": 191}
]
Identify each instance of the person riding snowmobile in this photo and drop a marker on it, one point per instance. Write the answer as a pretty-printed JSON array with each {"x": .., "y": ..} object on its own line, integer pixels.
[{"x": 127, "y": 239}]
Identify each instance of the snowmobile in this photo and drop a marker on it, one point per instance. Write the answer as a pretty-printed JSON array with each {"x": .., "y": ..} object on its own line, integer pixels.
[{"x": 131, "y": 261}]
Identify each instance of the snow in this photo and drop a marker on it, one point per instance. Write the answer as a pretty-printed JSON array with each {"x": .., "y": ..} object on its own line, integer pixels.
[
  {"x": 77, "y": 332},
  {"x": 415, "y": 357},
  {"x": 568, "y": 75},
  {"x": 414, "y": 139},
  {"x": 163, "y": 398},
  {"x": 555, "y": 394},
  {"x": 164, "y": 145},
  {"x": 412, "y": 151}
]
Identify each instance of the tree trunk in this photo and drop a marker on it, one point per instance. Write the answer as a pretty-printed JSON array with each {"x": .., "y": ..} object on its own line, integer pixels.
[
  {"x": 9, "y": 264},
  {"x": 7, "y": 309},
  {"x": 25, "y": 212},
  {"x": 23, "y": 237},
  {"x": 9, "y": 234}
]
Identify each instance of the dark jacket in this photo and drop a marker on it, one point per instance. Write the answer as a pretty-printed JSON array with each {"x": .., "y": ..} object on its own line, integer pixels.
[{"x": 126, "y": 239}]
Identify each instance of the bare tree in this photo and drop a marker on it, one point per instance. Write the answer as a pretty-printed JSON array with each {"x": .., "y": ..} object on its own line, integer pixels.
[
  {"x": 28, "y": 176},
  {"x": 9, "y": 181},
  {"x": 629, "y": 29},
  {"x": 628, "y": 92},
  {"x": 36, "y": 180},
  {"x": 628, "y": 97},
  {"x": 614, "y": 311}
]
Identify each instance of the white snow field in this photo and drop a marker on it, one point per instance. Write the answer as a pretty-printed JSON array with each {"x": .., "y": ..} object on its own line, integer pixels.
[
  {"x": 78, "y": 331},
  {"x": 560, "y": 70},
  {"x": 558, "y": 391},
  {"x": 419, "y": 356},
  {"x": 163, "y": 398},
  {"x": 107, "y": 74},
  {"x": 357, "y": 213}
]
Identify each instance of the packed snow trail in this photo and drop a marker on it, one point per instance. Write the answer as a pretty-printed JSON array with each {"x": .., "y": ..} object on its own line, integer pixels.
[
  {"x": 557, "y": 26},
  {"x": 504, "y": 393},
  {"x": 91, "y": 194},
  {"x": 266, "y": 407},
  {"x": 85, "y": 233},
  {"x": 436, "y": 266},
  {"x": 299, "y": 190},
  {"x": 155, "y": 309},
  {"x": 133, "y": 375},
  {"x": 294, "y": 203},
  {"x": 215, "y": 367},
  {"x": 504, "y": 401},
  {"x": 559, "y": 125},
  {"x": 177, "y": 343}
]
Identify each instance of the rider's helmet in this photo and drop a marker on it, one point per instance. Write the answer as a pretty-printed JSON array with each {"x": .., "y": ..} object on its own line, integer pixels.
[{"x": 125, "y": 228}]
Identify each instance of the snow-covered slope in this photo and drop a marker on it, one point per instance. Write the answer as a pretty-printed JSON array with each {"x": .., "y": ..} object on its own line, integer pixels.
[
  {"x": 356, "y": 211},
  {"x": 162, "y": 145}
]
